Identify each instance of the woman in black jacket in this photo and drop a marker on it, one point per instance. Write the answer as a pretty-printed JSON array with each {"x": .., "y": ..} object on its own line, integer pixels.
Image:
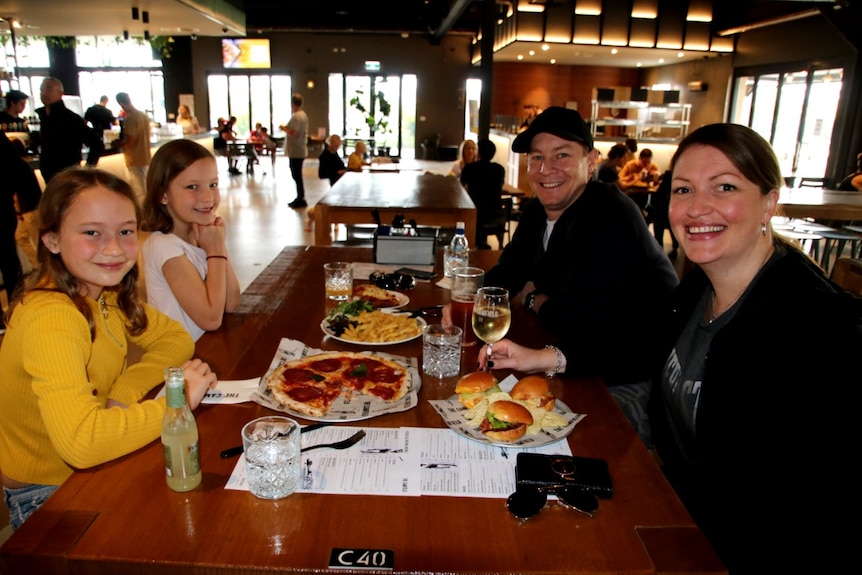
[{"x": 750, "y": 413}]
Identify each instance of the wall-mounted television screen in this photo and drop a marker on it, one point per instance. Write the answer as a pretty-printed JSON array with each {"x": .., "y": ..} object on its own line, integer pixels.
[{"x": 245, "y": 53}]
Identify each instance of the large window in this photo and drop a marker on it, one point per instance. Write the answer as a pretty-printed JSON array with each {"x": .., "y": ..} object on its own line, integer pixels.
[
  {"x": 252, "y": 98},
  {"x": 106, "y": 65},
  {"x": 795, "y": 110},
  {"x": 378, "y": 109}
]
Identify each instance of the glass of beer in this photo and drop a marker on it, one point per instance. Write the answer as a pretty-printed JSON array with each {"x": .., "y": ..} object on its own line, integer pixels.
[
  {"x": 466, "y": 281},
  {"x": 339, "y": 280}
]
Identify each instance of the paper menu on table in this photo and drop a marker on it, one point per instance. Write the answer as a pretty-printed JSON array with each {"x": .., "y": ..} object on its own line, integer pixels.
[{"x": 405, "y": 461}]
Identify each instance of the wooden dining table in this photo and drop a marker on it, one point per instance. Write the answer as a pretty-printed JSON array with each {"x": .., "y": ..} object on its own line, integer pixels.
[
  {"x": 430, "y": 199},
  {"x": 121, "y": 518},
  {"x": 821, "y": 204}
]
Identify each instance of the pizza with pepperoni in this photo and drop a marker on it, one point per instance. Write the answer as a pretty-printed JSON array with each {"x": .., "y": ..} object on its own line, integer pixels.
[{"x": 310, "y": 385}]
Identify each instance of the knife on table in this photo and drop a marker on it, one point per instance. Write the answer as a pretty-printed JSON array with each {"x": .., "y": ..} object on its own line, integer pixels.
[{"x": 233, "y": 451}]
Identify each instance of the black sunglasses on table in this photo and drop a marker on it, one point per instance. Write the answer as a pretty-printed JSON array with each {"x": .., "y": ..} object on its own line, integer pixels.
[{"x": 528, "y": 501}]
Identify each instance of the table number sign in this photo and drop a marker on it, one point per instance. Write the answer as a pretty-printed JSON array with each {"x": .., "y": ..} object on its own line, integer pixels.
[{"x": 371, "y": 559}]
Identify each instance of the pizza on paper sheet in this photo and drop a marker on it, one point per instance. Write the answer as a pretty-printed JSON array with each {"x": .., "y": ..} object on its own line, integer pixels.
[{"x": 310, "y": 385}]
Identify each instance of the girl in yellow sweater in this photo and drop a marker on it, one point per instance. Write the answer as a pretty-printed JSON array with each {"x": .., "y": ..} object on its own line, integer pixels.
[{"x": 69, "y": 400}]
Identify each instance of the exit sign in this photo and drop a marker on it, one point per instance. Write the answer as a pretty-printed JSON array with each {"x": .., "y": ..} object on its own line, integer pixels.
[{"x": 372, "y": 66}]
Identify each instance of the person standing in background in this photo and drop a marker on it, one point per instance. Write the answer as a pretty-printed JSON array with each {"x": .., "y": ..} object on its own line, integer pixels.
[
  {"x": 63, "y": 133},
  {"x": 101, "y": 118},
  {"x": 10, "y": 265},
  {"x": 135, "y": 143},
  {"x": 483, "y": 180},
  {"x": 297, "y": 147},
  {"x": 631, "y": 145},
  {"x": 10, "y": 118}
]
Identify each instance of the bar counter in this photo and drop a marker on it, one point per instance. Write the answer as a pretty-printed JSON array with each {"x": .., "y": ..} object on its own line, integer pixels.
[{"x": 120, "y": 517}]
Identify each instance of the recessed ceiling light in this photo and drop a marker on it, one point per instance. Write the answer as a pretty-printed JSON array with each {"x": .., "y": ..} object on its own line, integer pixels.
[
  {"x": 661, "y": 60},
  {"x": 545, "y": 47},
  {"x": 614, "y": 51}
]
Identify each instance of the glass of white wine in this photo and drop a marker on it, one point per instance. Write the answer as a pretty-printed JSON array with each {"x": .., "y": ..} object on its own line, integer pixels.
[{"x": 491, "y": 315}]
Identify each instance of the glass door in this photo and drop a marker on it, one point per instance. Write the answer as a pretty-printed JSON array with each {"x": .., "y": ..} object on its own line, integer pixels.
[
  {"x": 252, "y": 98},
  {"x": 378, "y": 109}
]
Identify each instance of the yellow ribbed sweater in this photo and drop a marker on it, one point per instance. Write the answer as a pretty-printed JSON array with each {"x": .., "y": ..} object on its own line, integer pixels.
[{"x": 55, "y": 382}]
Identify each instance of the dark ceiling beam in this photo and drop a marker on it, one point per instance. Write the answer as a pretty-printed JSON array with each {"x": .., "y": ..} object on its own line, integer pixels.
[{"x": 455, "y": 12}]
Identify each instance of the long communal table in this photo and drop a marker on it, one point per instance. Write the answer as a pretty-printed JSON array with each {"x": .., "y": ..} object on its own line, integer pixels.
[
  {"x": 121, "y": 518},
  {"x": 821, "y": 204},
  {"x": 430, "y": 199}
]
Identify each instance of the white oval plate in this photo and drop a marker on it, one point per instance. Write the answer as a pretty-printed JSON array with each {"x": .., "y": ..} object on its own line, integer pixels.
[
  {"x": 323, "y": 326},
  {"x": 453, "y": 415}
]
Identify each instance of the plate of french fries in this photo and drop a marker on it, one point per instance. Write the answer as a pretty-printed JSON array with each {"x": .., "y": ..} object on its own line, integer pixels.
[{"x": 373, "y": 327}]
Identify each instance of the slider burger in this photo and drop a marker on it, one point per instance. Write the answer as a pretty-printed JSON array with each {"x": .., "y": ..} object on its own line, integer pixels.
[
  {"x": 506, "y": 421},
  {"x": 534, "y": 390},
  {"x": 473, "y": 387}
]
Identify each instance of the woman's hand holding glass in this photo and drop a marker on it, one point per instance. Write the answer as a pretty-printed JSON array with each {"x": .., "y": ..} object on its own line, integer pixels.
[{"x": 492, "y": 315}]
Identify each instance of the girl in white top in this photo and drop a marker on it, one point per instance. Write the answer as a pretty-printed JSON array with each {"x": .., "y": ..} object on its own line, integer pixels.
[
  {"x": 467, "y": 153},
  {"x": 188, "y": 274}
]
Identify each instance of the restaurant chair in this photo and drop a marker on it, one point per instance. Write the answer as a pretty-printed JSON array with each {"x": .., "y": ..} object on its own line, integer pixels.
[
  {"x": 808, "y": 242},
  {"x": 498, "y": 225},
  {"x": 834, "y": 240},
  {"x": 813, "y": 182},
  {"x": 857, "y": 247},
  {"x": 847, "y": 273},
  {"x": 243, "y": 150}
]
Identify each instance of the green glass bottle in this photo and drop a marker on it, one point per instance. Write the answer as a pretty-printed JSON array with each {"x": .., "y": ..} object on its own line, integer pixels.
[{"x": 180, "y": 435}]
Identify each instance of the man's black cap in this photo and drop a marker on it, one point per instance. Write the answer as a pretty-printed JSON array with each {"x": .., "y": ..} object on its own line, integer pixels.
[{"x": 561, "y": 122}]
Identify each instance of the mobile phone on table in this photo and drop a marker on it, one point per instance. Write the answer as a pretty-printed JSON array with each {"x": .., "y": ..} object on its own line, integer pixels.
[{"x": 418, "y": 274}]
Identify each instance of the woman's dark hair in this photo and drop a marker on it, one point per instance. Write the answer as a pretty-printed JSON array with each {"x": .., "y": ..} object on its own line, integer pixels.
[
  {"x": 168, "y": 162},
  {"x": 53, "y": 275},
  {"x": 745, "y": 148}
]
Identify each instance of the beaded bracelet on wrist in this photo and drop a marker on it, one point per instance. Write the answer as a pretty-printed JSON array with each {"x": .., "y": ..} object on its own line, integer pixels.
[{"x": 559, "y": 366}]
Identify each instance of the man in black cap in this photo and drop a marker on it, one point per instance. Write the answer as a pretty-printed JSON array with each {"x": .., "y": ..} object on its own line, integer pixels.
[{"x": 584, "y": 261}]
